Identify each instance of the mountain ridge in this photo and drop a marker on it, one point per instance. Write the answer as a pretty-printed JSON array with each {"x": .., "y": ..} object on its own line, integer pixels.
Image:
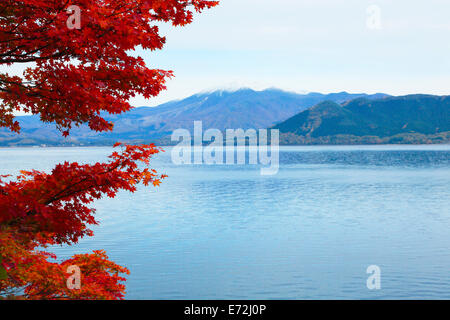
[
  {"x": 244, "y": 108},
  {"x": 416, "y": 118}
]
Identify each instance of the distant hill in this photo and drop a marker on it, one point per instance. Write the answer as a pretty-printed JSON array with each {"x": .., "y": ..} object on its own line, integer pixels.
[
  {"x": 407, "y": 119},
  {"x": 244, "y": 108}
]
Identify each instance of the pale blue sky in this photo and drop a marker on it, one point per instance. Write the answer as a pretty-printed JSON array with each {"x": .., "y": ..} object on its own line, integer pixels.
[{"x": 310, "y": 45}]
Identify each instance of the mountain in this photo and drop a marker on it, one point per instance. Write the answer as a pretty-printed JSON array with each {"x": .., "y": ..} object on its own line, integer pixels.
[
  {"x": 244, "y": 108},
  {"x": 406, "y": 119}
]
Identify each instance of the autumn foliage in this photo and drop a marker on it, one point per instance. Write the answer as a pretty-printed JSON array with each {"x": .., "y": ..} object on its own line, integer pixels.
[{"x": 73, "y": 77}]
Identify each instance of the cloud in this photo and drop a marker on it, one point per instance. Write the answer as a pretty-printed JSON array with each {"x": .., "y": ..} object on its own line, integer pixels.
[{"x": 312, "y": 45}]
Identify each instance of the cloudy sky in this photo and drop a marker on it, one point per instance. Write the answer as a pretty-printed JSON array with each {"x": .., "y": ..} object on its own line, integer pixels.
[
  {"x": 311, "y": 45},
  {"x": 392, "y": 46}
]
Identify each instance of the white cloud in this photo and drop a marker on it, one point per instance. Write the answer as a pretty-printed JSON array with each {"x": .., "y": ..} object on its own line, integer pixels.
[{"x": 312, "y": 45}]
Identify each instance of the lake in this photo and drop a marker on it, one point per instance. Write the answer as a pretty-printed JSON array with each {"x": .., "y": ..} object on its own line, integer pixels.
[{"x": 309, "y": 232}]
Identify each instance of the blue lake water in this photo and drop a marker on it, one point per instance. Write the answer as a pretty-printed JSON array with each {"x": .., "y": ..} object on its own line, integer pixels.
[{"x": 309, "y": 232}]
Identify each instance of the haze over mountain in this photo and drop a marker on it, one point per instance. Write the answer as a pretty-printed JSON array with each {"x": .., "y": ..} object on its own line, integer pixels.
[
  {"x": 406, "y": 119},
  {"x": 243, "y": 108}
]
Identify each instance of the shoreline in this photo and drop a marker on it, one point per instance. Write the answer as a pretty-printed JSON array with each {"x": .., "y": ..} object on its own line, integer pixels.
[{"x": 280, "y": 146}]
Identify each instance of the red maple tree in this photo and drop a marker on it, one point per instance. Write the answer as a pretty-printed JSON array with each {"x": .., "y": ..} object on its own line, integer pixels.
[{"x": 73, "y": 76}]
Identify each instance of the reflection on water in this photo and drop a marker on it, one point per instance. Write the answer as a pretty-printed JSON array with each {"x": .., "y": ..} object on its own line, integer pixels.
[{"x": 309, "y": 232}]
